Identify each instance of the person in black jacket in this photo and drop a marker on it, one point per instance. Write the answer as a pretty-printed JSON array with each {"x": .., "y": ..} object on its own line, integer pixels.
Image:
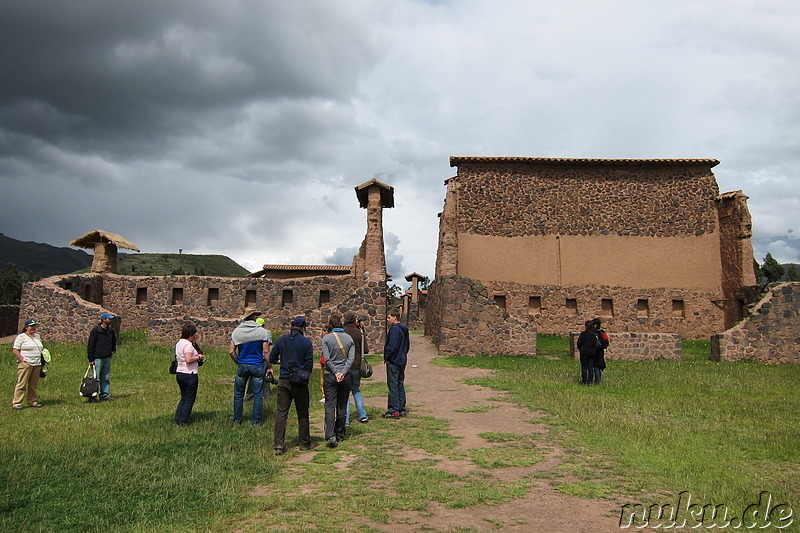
[
  {"x": 587, "y": 345},
  {"x": 292, "y": 351},
  {"x": 600, "y": 355},
  {"x": 101, "y": 348}
]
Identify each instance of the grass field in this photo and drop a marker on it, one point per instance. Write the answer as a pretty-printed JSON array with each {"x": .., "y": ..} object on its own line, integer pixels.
[{"x": 723, "y": 431}]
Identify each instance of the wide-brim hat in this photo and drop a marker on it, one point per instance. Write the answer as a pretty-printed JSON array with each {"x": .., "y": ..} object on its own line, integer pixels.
[{"x": 250, "y": 312}]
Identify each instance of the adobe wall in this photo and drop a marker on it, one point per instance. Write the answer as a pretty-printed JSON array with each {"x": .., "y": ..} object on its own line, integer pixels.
[
  {"x": 460, "y": 318},
  {"x": 770, "y": 335},
  {"x": 652, "y": 238},
  {"x": 636, "y": 346},
  {"x": 161, "y": 304},
  {"x": 556, "y": 309}
]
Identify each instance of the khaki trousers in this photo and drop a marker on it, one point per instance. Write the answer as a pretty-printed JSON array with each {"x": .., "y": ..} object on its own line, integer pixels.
[{"x": 27, "y": 378}]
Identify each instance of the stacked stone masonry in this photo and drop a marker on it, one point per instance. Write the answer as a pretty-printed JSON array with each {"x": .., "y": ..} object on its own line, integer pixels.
[
  {"x": 770, "y": 335},
  {"x": 634, "y": 346},
  {"x": 460, "y": 318},
  {"x": 555, "y": 309},
  {"x": 161, "y": 305},
  {"x": 9, "y": 320},
  {"x": 547, "y": 201}
]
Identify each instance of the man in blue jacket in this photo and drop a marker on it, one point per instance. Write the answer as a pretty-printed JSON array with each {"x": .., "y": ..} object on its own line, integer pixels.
[
  {"x": 395, "y": 355},
  {"x": 292, "y": 351}
]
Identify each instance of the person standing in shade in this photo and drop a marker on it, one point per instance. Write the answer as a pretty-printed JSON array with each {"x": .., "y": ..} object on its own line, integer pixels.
[
  {"x": 351, "y": 327},
  {"x": 587, "y": 346},
  {"x": 249, "y": 349},
  {"x": 292, "y": 351},
  {"x": 101, "y": 348},
  {"x": 395, "y": 356},
  {"x": 188, "y": 358},
  {"x": 339, "y": 351},
  {"x": 600, "y": 356},
  {"x": 27, "y": 349}
]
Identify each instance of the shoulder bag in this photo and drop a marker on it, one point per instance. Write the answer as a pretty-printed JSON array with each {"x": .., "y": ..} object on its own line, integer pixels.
[{"x": 90, "y": 386}]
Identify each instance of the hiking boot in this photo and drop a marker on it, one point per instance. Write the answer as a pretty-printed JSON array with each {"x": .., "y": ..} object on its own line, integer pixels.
[
  {"x": 394, "y": 415},
  {"x": 363, "y": 419},
  {"x": 307, "y": 448},
  {"x": 278, "y": 451},
  {"x": 332, "y": 442}
]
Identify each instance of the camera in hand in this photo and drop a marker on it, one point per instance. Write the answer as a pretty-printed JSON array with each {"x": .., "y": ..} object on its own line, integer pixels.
[{"x": 270, "y": 378}]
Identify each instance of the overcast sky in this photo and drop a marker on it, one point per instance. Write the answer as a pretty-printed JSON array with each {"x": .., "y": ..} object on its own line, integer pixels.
[{"x": 242, "y": 127}]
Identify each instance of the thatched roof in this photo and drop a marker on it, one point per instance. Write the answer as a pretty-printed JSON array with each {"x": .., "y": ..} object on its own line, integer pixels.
[{"x": 97, "y": 236}]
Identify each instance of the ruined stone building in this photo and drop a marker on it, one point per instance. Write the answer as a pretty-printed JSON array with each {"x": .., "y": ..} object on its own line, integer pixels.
[
  {"x": 68, "y": 306},
  {"x": 648, "y": 245}
]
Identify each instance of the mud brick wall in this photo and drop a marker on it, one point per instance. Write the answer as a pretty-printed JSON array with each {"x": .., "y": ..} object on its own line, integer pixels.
[
  {"x": 689, "y": 313},
  {"x": 161, "y": 304},
  {"x": 543, "y": 200},
  {"x": 636, "y": 346},
  {"x": 460, "y": 318},
  {"x": 770, "y": 335},
  {"x": 9, "y": 320}
]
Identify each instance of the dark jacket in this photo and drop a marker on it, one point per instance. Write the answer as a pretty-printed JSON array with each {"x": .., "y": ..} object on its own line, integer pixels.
[
  {"x": 293, "y": 351},
  {"x": 102, "y": 343},
  {"x": 396, "y": 349},
  {"x": 587, "y": 342},
  {"x": 359, "y": 341}
]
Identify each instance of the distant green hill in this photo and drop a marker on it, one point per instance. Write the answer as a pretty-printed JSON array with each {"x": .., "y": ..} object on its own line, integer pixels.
[
  {"x": 179, "y": 264},
  {"x": 41, "y": 259}
]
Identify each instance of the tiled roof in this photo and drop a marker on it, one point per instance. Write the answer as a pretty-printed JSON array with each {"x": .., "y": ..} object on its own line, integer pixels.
[
  {"x": 457, "y": 160},
  {"x": 343, "y": 268}
]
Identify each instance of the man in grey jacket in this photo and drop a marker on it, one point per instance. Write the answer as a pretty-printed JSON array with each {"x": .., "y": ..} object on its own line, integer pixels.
[{"x": 339, "y": 352}]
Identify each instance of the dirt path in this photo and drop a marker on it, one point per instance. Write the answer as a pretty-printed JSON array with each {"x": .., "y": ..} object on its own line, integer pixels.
[{"x": 438, "y": 391}]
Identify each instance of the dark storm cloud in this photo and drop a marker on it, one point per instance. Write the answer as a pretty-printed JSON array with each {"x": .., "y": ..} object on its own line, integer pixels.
[{"x": 123, "y": 78}]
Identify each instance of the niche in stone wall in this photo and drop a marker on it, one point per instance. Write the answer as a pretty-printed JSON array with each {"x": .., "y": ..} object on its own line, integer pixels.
[
  {"x": 678, "y": 309},
  {"x": 87, "y": 292},
  {"x": 177, "y": 296},
  {"x": 606, "y": 307},
  {"x": 500, "y": 300},
  {"x": 535, "y": 305},
  {"x": 642, "y": 308},
  {"x": 572, "y": 306},
  {"x": 213, "y": 296},
  {"x": 249, "y": 298},
  {"x": 324, "y": 297},
  {"x": 141, "y": 295},
  {"x": 287, "y": 298}
]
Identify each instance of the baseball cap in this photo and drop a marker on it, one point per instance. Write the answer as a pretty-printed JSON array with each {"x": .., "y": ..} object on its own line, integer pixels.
[
  {"x": 106, "y": 315},
  {"x": 31, "y": 322},
  {"x": 299, "y": 322}
]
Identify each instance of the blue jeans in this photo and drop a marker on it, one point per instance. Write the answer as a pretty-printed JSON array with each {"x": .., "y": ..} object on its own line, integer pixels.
[
  {"x": 395, "y": 379},
  {"x": 244, "y": 373},
  {"x": 188, "y": 384},
  {"x": 587, "y": 369},
  {"x": 355, "y": 389},
  {"x": 598, "y": 373},
  {"x": 103, "y": 369}
]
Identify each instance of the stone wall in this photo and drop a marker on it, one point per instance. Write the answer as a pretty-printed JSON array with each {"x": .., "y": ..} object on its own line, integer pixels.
[
  {"x": 161, "y": 304},
  {"x": 556, "y": 309},
  {"x": 63, "y": 315},
  {"x": 594, "y": 198},
  {"x": 770, "y": 335},
  {"x": 9, "y": 320},
  {"x": 636, "y": 346},
  {"x": 460, "y": 318}
]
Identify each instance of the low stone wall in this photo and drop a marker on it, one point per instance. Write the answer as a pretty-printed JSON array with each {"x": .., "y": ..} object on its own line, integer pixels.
[
  {"x": 631, "y": 346},
  {"x": 63, "y": 315},
  {"x": 771, "y": 334},
  {"x": 9, "y": 320},
  {"x": 460, "y": 318},
  {"x": 687, "y": 312},
  {"x": 162, "y": 304}
]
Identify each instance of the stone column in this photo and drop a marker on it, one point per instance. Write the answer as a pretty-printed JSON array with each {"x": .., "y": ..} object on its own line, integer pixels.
[{"x": 105, "y": 258}]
